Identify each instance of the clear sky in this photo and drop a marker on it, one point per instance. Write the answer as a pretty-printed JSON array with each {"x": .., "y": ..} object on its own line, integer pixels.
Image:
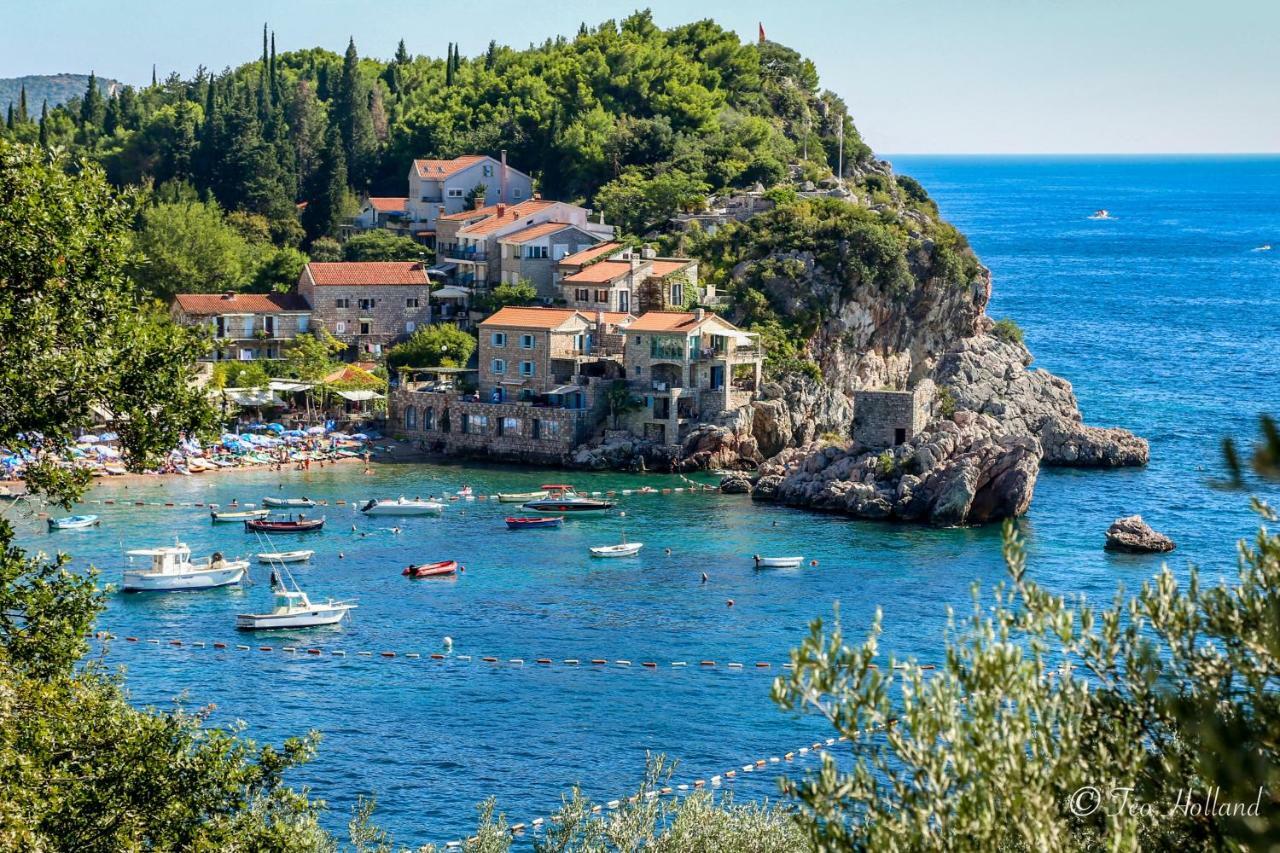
[{"x": 935, "y": 76}]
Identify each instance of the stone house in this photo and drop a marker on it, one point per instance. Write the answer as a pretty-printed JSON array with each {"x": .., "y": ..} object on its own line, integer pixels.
[
  {"x": 628, "y": 280},
  {"x": 245, "y": 326},
  {"x": 548, "y": 355},
  {"x": 530, "y": 253},
  {"x": 437, "y": 186},
  {"x": 467, "y": 242},
  {"x": 368, "y": 305},
  {"x": 688, "y": 367},
  {"x": 887, "y": 418}
]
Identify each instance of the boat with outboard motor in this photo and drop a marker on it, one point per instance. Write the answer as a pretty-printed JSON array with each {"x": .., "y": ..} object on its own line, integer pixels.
[
  {"x": 172, "y": 569},
  {"x": 301, "y": 524},
  {"x": 402, "y": 506},
  {"x": 561, "y": 499},
  {"x": 777, "y": 562},
  {"x": 519, "y": 497},
  {"x": 444, "y": 568},
  {"x": 289, "y": 502},
  {"x": 534, "y": 523},
  {"x": 293, "y": 609},
  {"x": 73, "y": 522},
  {"x": 235, "y": 515}
]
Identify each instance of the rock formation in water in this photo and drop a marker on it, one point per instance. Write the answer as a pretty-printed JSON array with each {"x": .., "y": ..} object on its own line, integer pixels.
[
  {"x": 1135, "y": 536},
  {"x": 901, "y": 315}
]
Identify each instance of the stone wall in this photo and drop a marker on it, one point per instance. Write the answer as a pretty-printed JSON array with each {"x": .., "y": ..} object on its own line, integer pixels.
[
  {"x": 888, "y": 418},
  {"x": 509, "y": 431},
  {"x": 390, "y": 315}
]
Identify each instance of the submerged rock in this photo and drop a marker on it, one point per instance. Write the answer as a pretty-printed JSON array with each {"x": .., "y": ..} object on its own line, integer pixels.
[{"x": 1135, "y": 536}]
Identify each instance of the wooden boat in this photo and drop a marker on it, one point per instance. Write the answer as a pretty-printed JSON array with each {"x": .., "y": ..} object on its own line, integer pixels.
[
  {"x": 441, "y": 569},
  {"x": 536, "y": 523},
  {"x": 519, "y": 497},
  {"x": 289, "y": 502},
  {"x": 284, "y": 525},
  {"x": 286, "y": 556},
  {"x": 563, "y": 500},
  {"x": 73, "y": 522},
  {"x": 622, "y": 549},
  {"x": 172, "y": 569},
  {"x": 402, "y": 506},
  {"x": 293, "y": 609},
  {"x": 237, "y": 515},
  {"x": 777, "y": 562}
]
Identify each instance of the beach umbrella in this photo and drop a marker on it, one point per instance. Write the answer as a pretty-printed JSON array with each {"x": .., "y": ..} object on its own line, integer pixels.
[
  {"x": 294, "y": 432},
  {"x": 104, "y": 450},
  {"x": 88, "y": 438},
  {"x": 315, "y": 430},
  {"x": 258, "y": 427},
  {"x": 276, "y": 428},
  {"x": 108, "y": 436}
]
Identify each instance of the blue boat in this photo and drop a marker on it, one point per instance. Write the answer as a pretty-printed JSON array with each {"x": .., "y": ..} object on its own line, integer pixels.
[
  {"x": 72, "y": 522},
  {"x": 534, "y": 523}
]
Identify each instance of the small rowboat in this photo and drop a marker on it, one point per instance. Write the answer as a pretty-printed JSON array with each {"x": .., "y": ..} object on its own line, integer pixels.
[
  {"x": 777, "y": 562},
  {"x": 526, "y": 523},
  {"x": 444, "y": 568},
  {"x": 289, "y": 502},
  {"x": 237, "y": 515},
  {"x": 519, "y": 497},
  {"x": 285, "y": 556},
  {"x": 623, "y": 549},
  {"x": 290, "y": 525},
  {"x": 72, "y": 522}
]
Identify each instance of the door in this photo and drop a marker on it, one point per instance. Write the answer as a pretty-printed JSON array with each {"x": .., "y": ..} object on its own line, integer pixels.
[{"x": 717, "y": 377}]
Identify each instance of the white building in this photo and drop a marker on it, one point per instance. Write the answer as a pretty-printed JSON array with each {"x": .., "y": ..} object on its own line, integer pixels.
[{"x": 441, "y": 187}]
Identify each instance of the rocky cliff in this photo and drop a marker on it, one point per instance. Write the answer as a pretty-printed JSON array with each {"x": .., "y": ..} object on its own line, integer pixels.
[{"x": 884, "y": 295}]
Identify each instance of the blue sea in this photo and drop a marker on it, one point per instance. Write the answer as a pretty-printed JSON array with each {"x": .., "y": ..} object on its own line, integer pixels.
[{"x": 1166, "y": 318}]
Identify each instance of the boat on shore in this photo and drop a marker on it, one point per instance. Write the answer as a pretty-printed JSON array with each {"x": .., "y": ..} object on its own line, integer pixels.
[
  {"x": 519, "y": 497},
  {"x": 300, "y": 524},
  {"x": 444, "y": 568},
  {"x": 289, "y": 502},
  {"x": 293, "y": 609},
  {"x": 232, "y": 516},
  {"x": 563, "y": 500},
  {"x": 73, "y": 522},
  {"x": 172, "y": 570},
  {"x": 777, "y": 562},
  {"x": 402, "y": 506},
  {"x": 534, "y": 523},
  {"x": 300, "y": 556}
]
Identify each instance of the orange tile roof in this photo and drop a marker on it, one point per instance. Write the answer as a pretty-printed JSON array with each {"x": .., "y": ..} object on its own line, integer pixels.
[
  {"x": 511, "y": 215},
  {"x": 208, "y": 304},
  {"x": 530, "y": 318},
  {"x": 599, "y": 273},
  {"x": 387, "y": 204},
  {"x": 438, "y": 169},
  {"x": 528, "y": 205},
  {"x": 367, "y": 273},
  {"x": 664, "y": 268},
  {"x": 670, "y": 321},
  {"x": 533, "y": 232},
  {"x": 587, "y": 255}
]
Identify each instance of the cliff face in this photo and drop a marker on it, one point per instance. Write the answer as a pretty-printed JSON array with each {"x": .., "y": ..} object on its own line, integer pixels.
[{"x": 990, "y": 424}]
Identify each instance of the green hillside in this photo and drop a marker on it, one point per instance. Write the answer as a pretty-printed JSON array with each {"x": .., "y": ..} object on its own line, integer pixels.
[{"x": 54, "y": 88}]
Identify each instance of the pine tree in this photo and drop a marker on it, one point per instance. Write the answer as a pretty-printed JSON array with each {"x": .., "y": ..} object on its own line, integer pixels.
[
  {"x": 402, "y": 55},
  {"x": 327, "y": 188},
  {"x": 351, "y": 112},
  {"x": 91, "y": 108},
  {"x": 111, "y": 117},
  {"x": 44, "y": 124},
  {"x": 491, "y": 55}
]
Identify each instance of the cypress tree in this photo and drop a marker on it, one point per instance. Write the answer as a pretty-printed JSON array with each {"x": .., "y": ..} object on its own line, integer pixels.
[
  {"x": 326, "y": 188},
  {"x": 491, "y": 55},
  {"x": 448, "y": 67},
  {"x": 8, "y": 122},
  {"x": 44, "y": 129},
  {"x": 91, "y": 106},
  {"x": 275, "y": 80},
  {"x": 351, "y": 112},
  {"x": 153, "y": 75},
  {"x": 111, "y": 117},
  {"x": 22, "y": 105},
  {"x": 402, "y": 55}
]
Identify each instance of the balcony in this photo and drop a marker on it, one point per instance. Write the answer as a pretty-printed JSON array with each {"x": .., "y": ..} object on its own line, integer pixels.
[
  {"x": 466, "y": 255},
  {"x": 735, "y": 354},
  {"x": 671, "y": 352}
]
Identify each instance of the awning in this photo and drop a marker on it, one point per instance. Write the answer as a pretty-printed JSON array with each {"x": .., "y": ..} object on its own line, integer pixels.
[
  {"x": 360, "y": 396},
  {"x": 739, "y": 337},
  {"x": 250, "y": 396},
  {"x": 450, "y": 292},
  {"x": 289, "y": 385},
  {"x": 564, "y": 389}
]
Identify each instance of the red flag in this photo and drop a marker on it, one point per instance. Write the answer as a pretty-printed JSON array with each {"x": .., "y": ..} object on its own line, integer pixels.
[{"x": 761, "y": 33}]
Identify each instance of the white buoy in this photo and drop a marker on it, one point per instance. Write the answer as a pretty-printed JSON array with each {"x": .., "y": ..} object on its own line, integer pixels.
[{"x": 448, "y": 642}]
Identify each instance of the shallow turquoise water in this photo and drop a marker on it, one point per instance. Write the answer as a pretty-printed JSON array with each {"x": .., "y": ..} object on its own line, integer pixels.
[{"x": 1164, "y": 320}]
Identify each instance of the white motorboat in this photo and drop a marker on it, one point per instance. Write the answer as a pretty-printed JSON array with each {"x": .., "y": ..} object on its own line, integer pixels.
[
  {"x": 286, "y": 556},
  {"x": 232, "y": 516},
  {"x": 777, "y": 562},
  {"x": 73, "y": 522},
  {"x": 289, "y": 502},
  {"x": 173, "y": 569},
  {"x": 563, "y": 500},
  {"x": 293, "y": 609},
  {"x": 402, "y": 506},
  {"x": 519, "y": 497},
  {"x": 622, "y": 549}
]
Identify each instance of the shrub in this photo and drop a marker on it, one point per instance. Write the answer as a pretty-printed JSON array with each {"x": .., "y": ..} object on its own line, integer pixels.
[
  {"x": 946, "y": 402},
  {"x": 1007, "y": 330}
]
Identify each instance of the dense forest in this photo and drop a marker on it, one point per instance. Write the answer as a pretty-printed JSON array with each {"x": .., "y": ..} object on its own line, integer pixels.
[{"x": 622, "y": 111}]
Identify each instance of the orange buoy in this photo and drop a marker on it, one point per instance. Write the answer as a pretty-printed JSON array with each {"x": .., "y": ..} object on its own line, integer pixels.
[
  {"x": 813, "y": 562},
  {"x": 729, "y": 602}
]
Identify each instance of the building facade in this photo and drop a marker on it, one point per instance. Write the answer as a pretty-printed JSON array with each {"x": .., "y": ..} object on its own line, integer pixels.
[
  {"x": 388, "y": 212},
  {"x": 245, "y": 326},
  {"x": 444, "y": 186},
  {"x": 630, "y": 280},
  {"x": 886, "y": 418},
  {"x": 367, "y": 305},
  {"x": 531, "y": 253}
]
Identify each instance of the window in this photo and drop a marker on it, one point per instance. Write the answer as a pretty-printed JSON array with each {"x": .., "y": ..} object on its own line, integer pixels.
[
  {"x": 638, "y": 370},
  {"x": 677, "y": 294},
  {"x": 411, "y": 418},
  {"x": 366, "y": 304},
  {"x": 526, "y": 342},
  {"x": 487, "y": 170},
  {"x": 454, "y": 193},
  {"x": 342, "y": 303},
  {"x": 535, "y": 428},
  {"x": 515, "y": 193},
  {"x": 535, "y": 251},
  {"x": 624, "y": 301},
  {"x": 339, "y": 327},
  {"x": 499, "y": 339},
  {"x": 366, "y": 327},
  {"x": 409, "y": 326},
  {"x": 582, "y": 294},
  {"x": 509, "y": 426},
  {"x": 429, "y": 418},
  {"x": 551, "y": 429},
  {"x": 526, "y": 368},
  {"x": 475, "y": 424},
  {"x": 499, "y": 365},
  {"x": 411, "y": 302},
  {"x": 636, "y": 340}
]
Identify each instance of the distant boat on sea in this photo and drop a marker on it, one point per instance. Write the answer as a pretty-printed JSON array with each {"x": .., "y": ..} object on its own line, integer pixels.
[
  {"x": 1265, "y": 247},
  {"x": 1102, "y": 214}
]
